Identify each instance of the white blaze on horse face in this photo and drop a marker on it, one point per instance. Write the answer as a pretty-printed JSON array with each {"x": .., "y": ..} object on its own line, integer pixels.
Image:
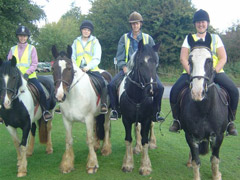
[
  {"x": 199, "y": 57},
  {"x": 60, "y": 91},
  {"x": 7, "y": 100}
]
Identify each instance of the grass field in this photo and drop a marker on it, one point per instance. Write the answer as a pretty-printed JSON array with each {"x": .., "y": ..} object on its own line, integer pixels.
[{"x": 168, "y": 160}]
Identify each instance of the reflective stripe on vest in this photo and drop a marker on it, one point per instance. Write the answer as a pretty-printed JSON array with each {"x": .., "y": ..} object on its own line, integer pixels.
[
  {"x": 86, "y": 53},
  {"x": 24, "y": 63},
  {"x": 127, "y": 43}
]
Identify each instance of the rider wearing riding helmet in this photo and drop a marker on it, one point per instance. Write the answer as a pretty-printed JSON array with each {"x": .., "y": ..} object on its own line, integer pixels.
[
  {"x": 201, "y": 22},
  {"x": 127, "y": 46},
  {"x": 87, "y": 52},
  {"x": 27, "y": 61}
]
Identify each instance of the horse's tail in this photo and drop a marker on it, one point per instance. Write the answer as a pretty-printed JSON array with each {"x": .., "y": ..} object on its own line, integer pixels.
[
  {"x": 100, "y": 126},
  {"x": 43, "y": 131},
  {"x": 204, "y": 147}
]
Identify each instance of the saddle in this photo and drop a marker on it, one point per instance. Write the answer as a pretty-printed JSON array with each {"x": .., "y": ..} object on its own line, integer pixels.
[
  {"x": 35, "y": 92},
  {"x": 96, "y": 83},
  {"x": 223, "y": 94}
]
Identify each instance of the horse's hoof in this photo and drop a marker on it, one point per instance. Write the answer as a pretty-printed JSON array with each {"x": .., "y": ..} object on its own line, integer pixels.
[
  {"x": 21, "y": 174},
  {"x": 106, "y": 152},
  {"x": 136, "y": 151},
  {"x": 67, "y": 170},
  {"x": 152, "y": 146},
  {"x": 49, "y": 151},
  {"x": 92, "y": 170},
  {"x": 127, "y": 169},
  {"x": 29, "y": 154},
  {"x": 189, "y": 164},
  {"x": 145, "y": 171}
]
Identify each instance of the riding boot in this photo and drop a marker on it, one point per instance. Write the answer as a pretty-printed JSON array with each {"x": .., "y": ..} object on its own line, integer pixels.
[
  {"x": 45, "y": 111},
  {"x": 176, "y": 126},
  {"x": 104, "y": 107},
  {"x": 1, "y": 120},
  {"x": 231, "y": 129}
]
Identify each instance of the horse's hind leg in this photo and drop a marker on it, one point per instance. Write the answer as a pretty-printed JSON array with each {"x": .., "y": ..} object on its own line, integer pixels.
[
  {"x": 153, "y": 141},
  {"x": 31, "y": 142},
  {"x": 107, "y": 146},
  {"x": 138, "y": 148},
  {"x": 67, "y": 164},
  {"x": 49, "y": 148},
  {"x": 189, "y": 162}
]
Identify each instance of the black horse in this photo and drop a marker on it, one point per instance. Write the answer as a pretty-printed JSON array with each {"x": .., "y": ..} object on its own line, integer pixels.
[
  {"x": 204, "y": 110},
  {"x": 136, "y": 102}
]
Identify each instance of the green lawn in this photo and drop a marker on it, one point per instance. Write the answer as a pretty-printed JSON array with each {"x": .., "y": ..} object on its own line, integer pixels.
[{"x": 168, "y": 160}]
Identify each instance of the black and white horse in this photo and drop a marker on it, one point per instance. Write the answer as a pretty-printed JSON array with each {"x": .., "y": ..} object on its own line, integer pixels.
[
  {"x": 136, "y": 102},
  {"x": 20, "y": 110},
  {"x": 204, "y": 111},
  {"x": 79, "y": 103}
]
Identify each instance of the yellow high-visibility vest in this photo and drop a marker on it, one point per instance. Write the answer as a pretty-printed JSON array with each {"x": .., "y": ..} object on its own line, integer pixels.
[
  {"x": 127, "y": 43},
  {"x": 213, "y": 49},
  {"x": 24, "y": 63},
  {"x": 86, "y": 53}
]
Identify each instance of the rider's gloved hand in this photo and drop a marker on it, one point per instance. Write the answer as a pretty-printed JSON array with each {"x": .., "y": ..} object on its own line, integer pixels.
[{"x": 25, "y": 76}]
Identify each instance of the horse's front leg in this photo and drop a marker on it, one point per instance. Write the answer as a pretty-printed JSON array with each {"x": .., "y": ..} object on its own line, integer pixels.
[
  {"x": 16, "y": 142},
  {"x": 195, "y": 156},
  {"x": 67, "y": 164},
  {"x": 153, "y": 141},
  {"x": 128, "y": 162},
  {"x": 107, "y": 146},
  {"x": 92, "y": 162},
  {"x": 31, "y": 142},
  {"x": 146, "y": 166},
  {"x": 138, "y": 148},
  {"x": 216, "y": 174}
]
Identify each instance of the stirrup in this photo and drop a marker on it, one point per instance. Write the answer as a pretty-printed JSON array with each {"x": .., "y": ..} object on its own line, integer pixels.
[
  {"x": 159, "y": 118},
  {"x": 179, "y": 126},
  {"x": 104, "y": 105},
  {"x": 44, "y": 113},
  {"x": 234, "y": 133},
  {"x": 112, "y": 116}
]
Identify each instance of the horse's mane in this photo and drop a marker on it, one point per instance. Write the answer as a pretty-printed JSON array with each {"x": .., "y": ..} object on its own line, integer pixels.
[{"x": 7, "y": 68}]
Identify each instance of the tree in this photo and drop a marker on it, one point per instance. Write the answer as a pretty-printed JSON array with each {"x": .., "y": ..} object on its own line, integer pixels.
[
  {"x": 167, "y": 21},
  {"x": 12, "y": 14}
]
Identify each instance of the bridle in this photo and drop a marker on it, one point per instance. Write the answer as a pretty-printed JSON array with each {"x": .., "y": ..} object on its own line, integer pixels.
[
  {"x": 13, "y": 90},
  {"x": 202, "y": 77}
]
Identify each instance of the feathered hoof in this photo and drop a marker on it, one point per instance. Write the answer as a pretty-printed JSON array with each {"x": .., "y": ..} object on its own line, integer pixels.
[
  {"x": 66, "y": 169},
  {"x": 219, "y": 177},
  {"x": 145, "y": 171},
  {"x": 92, "y": 170},
  {"x": 127, "y": 169},
  {"x": 137, "y": 150},
  {"x": 29, "y": 154},
  {"x": 21, "y": 174},
  {"x": 49, "y": 151},
  {"x": 189, "y": 164},
  {"x": 106, "y": 152},
  {"x": 152, "y": 146}
]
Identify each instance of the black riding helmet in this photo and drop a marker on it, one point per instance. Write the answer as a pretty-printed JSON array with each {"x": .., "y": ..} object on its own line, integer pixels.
[
  {"x": 201, "y": 15},
  {"x": 87, "y": 24},
  {"x": 22, "y": 30}
]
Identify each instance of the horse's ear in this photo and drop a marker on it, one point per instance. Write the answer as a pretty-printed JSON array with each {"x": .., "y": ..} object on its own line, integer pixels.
[
  {"x": 156, "y": 47},
  {"x": 13, "y": 61},
  {"x": 54, "y": 51},
  {"x": 208, "y": 40},
  {"x": 69, "y": 52},
  {"x": 191, "y": 41},
  {"x": 140, "y": 45}
]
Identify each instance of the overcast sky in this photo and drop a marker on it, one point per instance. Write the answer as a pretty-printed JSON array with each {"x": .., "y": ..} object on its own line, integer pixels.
[{"x": 223, "y": 13}]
